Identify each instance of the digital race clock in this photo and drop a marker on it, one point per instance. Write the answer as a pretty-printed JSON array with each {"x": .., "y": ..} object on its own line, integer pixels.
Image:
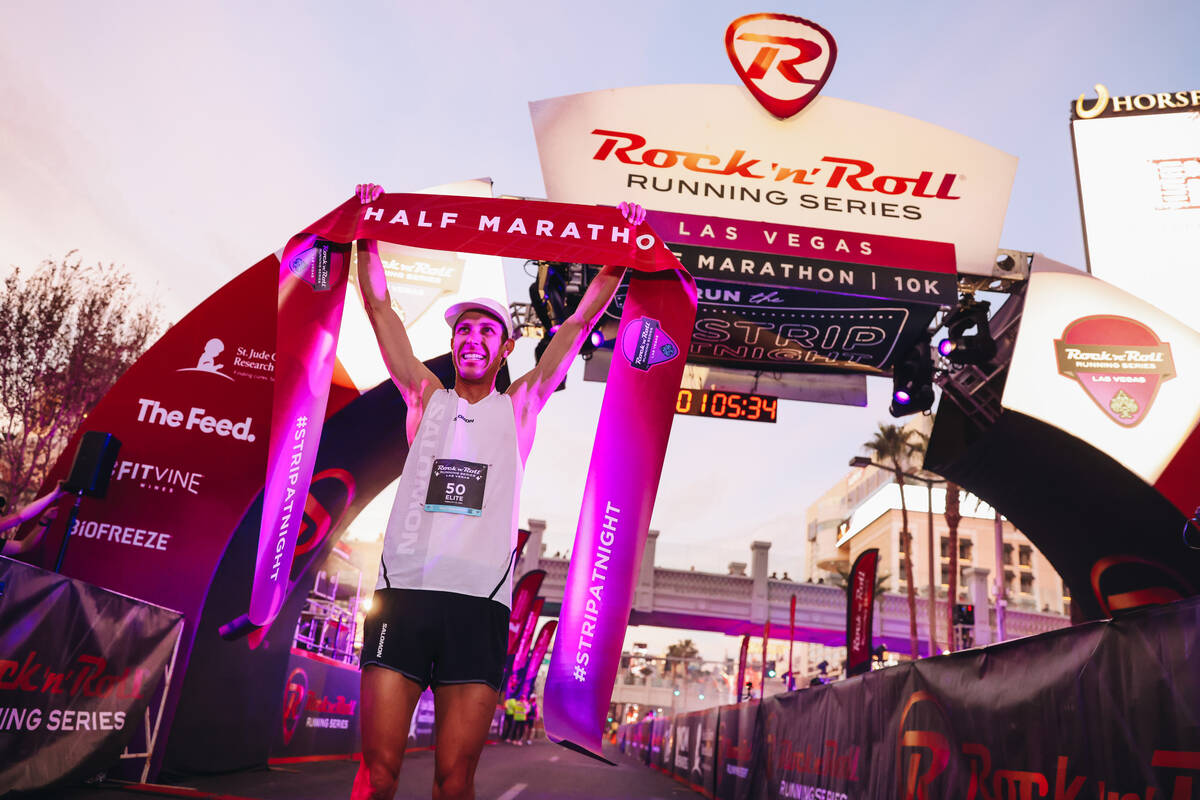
[{"x": 726, "y": 405}]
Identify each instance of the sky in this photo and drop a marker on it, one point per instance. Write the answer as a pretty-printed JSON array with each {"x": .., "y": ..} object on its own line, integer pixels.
[{"x": 188, "y": 140}]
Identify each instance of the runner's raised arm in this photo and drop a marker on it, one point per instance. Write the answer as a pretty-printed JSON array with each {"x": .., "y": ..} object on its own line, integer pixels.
[
  {"x": 414, "y": 380},
  {"x": 541, "y": 381}
]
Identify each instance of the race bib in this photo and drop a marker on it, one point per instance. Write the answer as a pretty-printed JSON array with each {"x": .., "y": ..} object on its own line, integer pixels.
[{"x": 456, "y": 487}]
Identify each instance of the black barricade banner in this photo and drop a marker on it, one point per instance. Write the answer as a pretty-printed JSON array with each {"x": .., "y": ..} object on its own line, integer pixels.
[
  {"x": 685, "y": 765},
  {"x": 1107, "y": 710},
  {"x": 662, "y": 743},
  {"x": 860, "y": 603},
  {"x": 735, "y": 750},
  {"x": 705, "y": 769},
  {"x": 320, "y": 708},
  {"x": 1104, "y": 710},
  {"x": 421, "y": 728},
  {"x": 78, "y": 667},
  {"x": 695, "y": 750},
  {"x": 642, "y": 740}
]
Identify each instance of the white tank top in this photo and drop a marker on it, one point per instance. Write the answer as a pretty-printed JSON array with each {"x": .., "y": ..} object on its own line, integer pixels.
[{"x": 453, "y": 525}]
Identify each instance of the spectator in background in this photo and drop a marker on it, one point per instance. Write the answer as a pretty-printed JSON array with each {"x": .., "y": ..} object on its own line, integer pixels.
[{"x": 531, "y": 719}]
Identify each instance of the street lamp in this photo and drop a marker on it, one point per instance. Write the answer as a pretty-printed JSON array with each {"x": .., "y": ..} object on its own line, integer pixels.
[{"x": 865, "y": 461}]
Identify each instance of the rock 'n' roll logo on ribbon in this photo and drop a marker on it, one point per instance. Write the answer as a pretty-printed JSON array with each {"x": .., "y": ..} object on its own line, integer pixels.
[
  {"x": 646, "y": 344},
  {"x": 313, "y": 266},
  {"x": 783, "y": 60},
  {"x": 1118, "y": 361}
]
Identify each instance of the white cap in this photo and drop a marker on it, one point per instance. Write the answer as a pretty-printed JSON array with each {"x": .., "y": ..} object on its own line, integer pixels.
[{"x": 484, "y": 304}]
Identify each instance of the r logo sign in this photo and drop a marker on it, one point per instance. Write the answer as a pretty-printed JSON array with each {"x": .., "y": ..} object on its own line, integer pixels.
[{"x": 783, "y": 60}]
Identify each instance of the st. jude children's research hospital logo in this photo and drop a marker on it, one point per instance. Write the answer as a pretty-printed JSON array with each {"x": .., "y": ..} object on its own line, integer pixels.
[
  {"x": 208, "y": 360},
  {"x": 246, "y": 362},
  {"x": 1118, "y": 361}
]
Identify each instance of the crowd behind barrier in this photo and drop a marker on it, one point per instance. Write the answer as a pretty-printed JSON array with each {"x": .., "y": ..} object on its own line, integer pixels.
[{"x": 1108, "y": 709}]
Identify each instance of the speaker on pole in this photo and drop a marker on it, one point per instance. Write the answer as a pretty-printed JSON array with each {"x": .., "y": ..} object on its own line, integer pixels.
[
  {"x": 90, "y": 473},
  {"x": 93, "y": 464}
]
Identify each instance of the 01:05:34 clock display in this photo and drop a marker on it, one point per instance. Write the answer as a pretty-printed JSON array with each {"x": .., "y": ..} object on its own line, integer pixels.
[{"x": 726, "y": 405}]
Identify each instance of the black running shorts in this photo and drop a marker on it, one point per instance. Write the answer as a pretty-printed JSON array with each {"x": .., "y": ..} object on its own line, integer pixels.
[{"x": 437, "y": 638}]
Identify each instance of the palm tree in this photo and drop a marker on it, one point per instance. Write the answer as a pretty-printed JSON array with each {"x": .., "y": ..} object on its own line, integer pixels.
[
  {"x": 892, "y": 445},
  {"x": 952, "y": 520},
  {"x": 685, "y": 651},
  {"x": 918, "y": 449}
]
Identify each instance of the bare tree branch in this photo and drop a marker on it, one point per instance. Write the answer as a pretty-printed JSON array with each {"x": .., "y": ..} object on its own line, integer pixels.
[{"x": 70, "y": 331}]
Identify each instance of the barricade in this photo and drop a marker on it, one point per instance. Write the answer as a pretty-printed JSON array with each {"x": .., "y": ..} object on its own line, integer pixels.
[
  {"x": 1105, "y": 709},
  {"x": 79, "y": 669}
]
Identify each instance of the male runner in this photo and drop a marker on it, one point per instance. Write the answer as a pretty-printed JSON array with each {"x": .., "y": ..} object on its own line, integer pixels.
[{"x": 440, "y": 612}]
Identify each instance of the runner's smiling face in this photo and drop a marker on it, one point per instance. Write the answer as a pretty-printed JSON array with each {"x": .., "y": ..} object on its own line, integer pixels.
[{"x": 479, "y": 345}]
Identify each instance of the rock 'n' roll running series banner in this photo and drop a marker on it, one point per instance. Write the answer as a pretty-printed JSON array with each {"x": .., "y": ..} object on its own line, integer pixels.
[
  {"x": 78, "y": 667},
  {"x": 540, "y": 647},
  {"x": 524, "y": 592},
  {"x": 791, "y": 679},
  {"x": 762, "y": 679},
  {"x": 743, "y": 653},
  {"x": 860, "y": 607},
  {"x": 521, "y": 659}
]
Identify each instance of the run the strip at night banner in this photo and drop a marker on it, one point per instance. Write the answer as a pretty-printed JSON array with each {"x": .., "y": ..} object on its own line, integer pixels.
[{"x": 635, "y": 419}]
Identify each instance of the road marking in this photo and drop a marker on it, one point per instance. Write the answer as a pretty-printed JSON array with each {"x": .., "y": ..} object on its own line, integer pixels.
[
  {"x": 554, "y": 758},
  {"x": 513, "y": 792}
]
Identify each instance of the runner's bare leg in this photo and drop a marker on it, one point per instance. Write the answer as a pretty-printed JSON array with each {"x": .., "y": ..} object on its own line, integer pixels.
[
  {"x": 464, "y": 715},
  {"x": 388, "y": 700}
]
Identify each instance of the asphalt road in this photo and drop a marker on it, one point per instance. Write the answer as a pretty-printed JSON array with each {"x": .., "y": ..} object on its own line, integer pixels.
[{"x": 541, "y": 771}]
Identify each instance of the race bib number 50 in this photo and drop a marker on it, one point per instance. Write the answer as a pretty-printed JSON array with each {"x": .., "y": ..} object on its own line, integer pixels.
[{"x": 456, "y": 487}]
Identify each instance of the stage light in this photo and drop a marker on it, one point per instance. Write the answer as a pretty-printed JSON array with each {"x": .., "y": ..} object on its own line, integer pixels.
[
  {"x": 546, "y": 297},
  {"x": 961, "y": 347},
  {"x": 554, "y": 297},
  {"x": 912, "y": 380},
  {"x": 594, "y": 340}
]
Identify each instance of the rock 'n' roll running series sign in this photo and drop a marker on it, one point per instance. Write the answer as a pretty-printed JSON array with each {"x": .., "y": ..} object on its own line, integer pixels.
[
  {"x": 773, "y": 186},
  {"x": 783, "y": 60},
  {"x": 1118, "y": 361},
  {"x": 713, "y": 151},
  {"x": 1112, "y": 370}
]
